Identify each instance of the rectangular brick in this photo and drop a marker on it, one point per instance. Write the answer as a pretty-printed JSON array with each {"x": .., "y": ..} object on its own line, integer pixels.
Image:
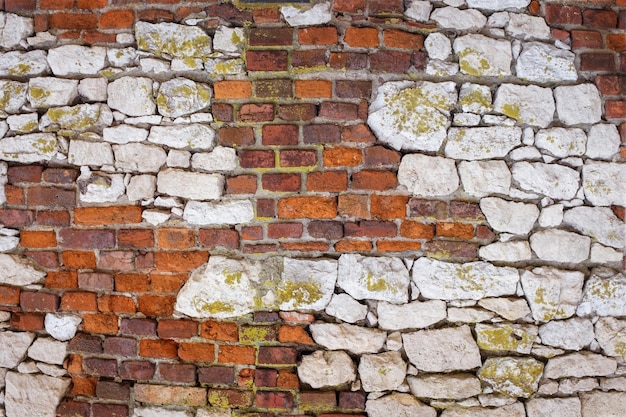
[
  {"x": 271, "y": 37},
  {"x": 156, "y": 305},
  {"x": 211, "y": 238},
  {"x": 138, "y": 327},
  {"x": 180, "y": 261},
  {"x": 281, "y": 135},
  {"x": 277, "y": 355},
  {"x": 87, "y": 239},
  {"x": 120, "y": 346},
  {"x": 221, "y": 375},
  {"x": 322, "y": 133},
  {"x": 297, "y": 158},
  {"x": 197, "y": 352},
  {"x": 137, "y": 370},
  {"x": 100, "y": 367},
  {"x": 274, "y": 400},
  {"x": 19, "y": 174},
  {"x": 275, "y": 88},
  {"x": 158, "y": 348},
  {"x": 73, "y": 21},
  {"x": 241, "y": 184},
  {"x": 254, "y": 113},
  {"x": 370, "y": 228},
  {"x": 232, "y": 89},
  {"x": 284, "y": 230},
  {"x": 176, "y": 372},
  {"x": 100, "y": 323},
  {"x": 9, "y": 295},
  {"x": 358, "y": 37},
  {"x": 236, "y": 136},
  {"x": 162, "y": 394},
  {"x": 256, "y": 158},
  {"x": 307, "y": 207},
  {"x": 16, "y": 218},
  {"x": 177, "y": 329},
  {"x": 28, "y": 322},
  {"x": 95, "y": 281},
  {"x": 220, "y": 330},
  {"x": 562, "y": 15},
  {"x": 327, "y": 181},
  {"x": 231, "y": 398},
  {"x": 266, "y": 60},
  {"x": 313, "y": 89},
  {"x": 131, "y": 282},
  {"x": 79, "y": 301},
  {"x": 175, "y": 238},
  {"x": 51, "y": 197},
  {"x": 310, "y": 58},
  {"x": 116, "y": 304},
  {"x": 243, "y": 355},
  {"x": 167, "y": 282},
  {"x": 326, "y": 35},
  {"x": 38, "y": 239},
  {"x": 96, "y": 216},
  {"x": 135, "y": 238}
]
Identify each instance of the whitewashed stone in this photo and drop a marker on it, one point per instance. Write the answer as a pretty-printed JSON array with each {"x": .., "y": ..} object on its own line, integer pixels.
[
  {"x": 48, "y": 350},
  {"x": 220, "y": 159},
  {"x": 165, "y": 412},
  {"x": 611, "y": 336},
  {"x": 123, "y": 134},
  {"x": 551, "y": 216},
  {"x": 154, "y": 66},
  {"x": 12, "y": 96},
  {"x": 451, "y": 386},
  {"x": 228, "y": 212},
  {"x": 230, "y": 40},
  {"x": 600, "y": 223},
  {"x": 323, "y": 369},
  {"x": 579, "y": 365},
  {"x": 428, "y": 176},
  {"x": 561, "y": 142},
  {"x": 100, "y": 188},
  {"x": 23, "y": 64},
  {"x": 42, "y": 40},
  {"x": 374, "y": 278},
  {"x": 18, "y": 272},
  {"x": 45, "y": 92},
  {"x": 466, "y": 119},
  {"x": 13, "y": 346},
  {"x": 560, "y": 246},
  {"x": 79, "y": 118},
  {"x": 131, "y": 96},
  {"x": 601, "y": 254},
  {"x": 191, "y": 185},
  {"x": 8, "y": 243},
  {"x": 122, "y": 57},
  {"x": 61, "y": 327},
  {"x": 181, "y": 96},
  {"x": 222, "y": 67},
  {"x": 604, "y": 183},
  {"x": 305, "y": 285},
  {"x": 172, "y": 40},
  {"x": 525, "y": 153},
  {"x": 438, "y": 46},
  {"x": 513, "y": 377},
  {"x": 510, "y": 308},
  {"x": 439, "y": 68},
  {"x": 442, "y": 350},
  {"x": 187, "y": 136},
  {"x": 137, "y": 157},
  {"x": 155, "y": 217},
  {"x": 414, "y": 315},
  {"x": 71, "y": 60},
  {"x": 23, "y": 123},
  {"x": 355, "y": 339},
  {"x": 33, "y": 395},
  {"x": 93, "y": 89},
  {"x": 475, "y": 98},
  {"x": 418, "y": 10},
  {"x": 482, "y": 56},
  {"x": 398, "y": 405},
  {"x": 603, "y": 404},
  {"x": 506, "y": 252},
  {"x": 346, "y": 308},
  {"x": 468, "y": 315},
  {"x": 94, "y": 154},
  {"x": 523, "y": 26},
  {"x": 482, "y": 142},
  {"x": 141, "y": 187},
  {"x": 553, "y": 407},
  {"x": 530, "y": 104},
  {"x": 604, "y": 296},
  {"x": 544, "y": 63},
  {"x": 552, "y": 293},
  {"x": 509, "y": 216},
  {"x": 316, "y": 15},
  {"x": 572, "y": 334},
  {"x": 602, "y": 141},
  {"x": 453, "y": 18},
  {"x": 552, "y": 180},
  {"x": 473, "y": 280},
  {"x": 505, "y": 337},
  {"x": 498, "y": 4},
  {"x": 187, "y": 64},
  {"x": 382, "y": 372},
  {"x": 576, "y": 104},
  {"x": 14, "y": 30},
  {"x": 482, "y": 178}
]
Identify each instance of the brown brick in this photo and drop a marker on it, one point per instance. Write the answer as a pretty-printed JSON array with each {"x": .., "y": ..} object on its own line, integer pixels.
[
  {"x": 390, "y": 61},
  {"x": 354, "y": 400},
  {"x": 296, "y": 112},
  {"x": 176, "y": 372},
  {"x": 359, "y": 133},
  {"x": 386, "y": 7},
  {"x": 297, "y": 158},
  {"x": 73, "y": 21},
  {"x": 137, "y": 370},
  {"x": 216, "y": 375},
  {"x": 120, "y": 346},
  {"x": 277, "y": 355},
  {"x": 281, "y": 182},
  {"x": 210, "y": 238},
  {"x": 353, "y": 205},
  {"x": 268, "y": 15},
  {"x": 111, "y": 390},
  {"x": 223, "y": 112},
  {"x": 562, "y": 15},
  {"x": 374, "y": 180},
  {"x": 453, "y": 250},
  {"x": 231, "y": 398},
  {"x": 239, "y": 136},
  {"x": 156, "y": 305},
  {"x": 9, "y": 295},
  {"x": 311, "y": 58},
  {"x": 29, "y": 322},
  {"x": 266, "y": 60},
  {"x": 274, "y": 400},
  {"x": 70, "y": 408},
  {"x": 600, "y": 19},
  {"x": 106, "y": 410},
  {"x": 349, "y": 6},
  {"x": 230, "y": 13},
  {"x": 338, "y": 111},
  {"x": 370, "y": 228},
  {"x": 20, "y": 5},
  {"x": 158, "y": 348},
  {"x": 284, "y": 230},
  {"x": 177, "y": 329},
  {"x": 280, "y": 135},
  {"x": 16, "y": 218},
  {"x": 351, "y": 61},
  {"x": 95, "y": 281},
  {"x": 586, "y": 39},
  {"x": 252, "y": 233},
  {"x": 388, "y": 206},
  {"x": 428, "y": 208},
  {"x": 395, "y": 38},
  {"x": 96, "y": 216},
  {"x": 100, "y": 367},
  {"x": 597, "y": 61},
  {"x": 86, "y": 239},
  {"x": 616, "y": 41},
  {"x": 611, "y": 84},
  {"x": 18, "y": 174},
  {"x": 321, "y": 133},
  {"x": 249, "y": 113},
  {"x": 51, "y": 197},
  {"x": 317, "y": 400},
  {"x": 175, "y": 238},
  {"x": 241, "y": 184},
  {"x": 154, "y": 15},
  {"x": 353, "y": 89},
  {"x": 463, "y": 210},
  {"x": 52, "y": 217},
  {"x": 135, "y": 238},
  {"x": 138, "y": 327},
  {"x": 256, "y": 158},
  {"x": 328, "y": 230},
  {"x": 615, "y": 109},
  {"x": 271, "y": 36}
]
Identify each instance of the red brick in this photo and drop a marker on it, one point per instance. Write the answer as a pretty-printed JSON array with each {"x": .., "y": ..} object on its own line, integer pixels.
[
  {"x": 370, "y": 228},
  {"x": 117, "y": 260},
  {"x": 386, "y": 7},
  {"x": 297, "y": 112},
  {"x": 177, "y": 372},
  {"x": 70, "y": 408},
  {"x": 611, "y": 84},
  {"x": 16, "y": 218},
  {"x": 216, "y": 375},
  {"x": 167, "y": 282},
  {"x": 138, "y": 327},
  {"x": 106, "y": 410},
  {"x": 388, "y": 206},
  {"x": 349, "y": 6},
  {"x": 236, "y": 136},
  {"x": 379, "y": 156},
  {"x": 232, "y": 89},
  {"x": 111, "y": 390},
  {"x": 95, "y": 281},
  {"x": 397, "y": 246},
  {"x": 53, "y": 218},
  {"x": 622, "y": 19},
  {"x": 271, "y": 36},
  {"x": 91, "y": 4},
  {"x": 352, "y": 400},
  {"x": 464, "y": 210},
  {"x": 287, "y": 379},
  {"x": 137, "y": 370},
  {"x": 313, "y": 88},
  {"x": 266, "y": 60},
  {"x": 95, "y": 216},
  {"x": 265, "y": 377},
  {"x": 62, "y": 279},
  {"x": 175, "y": 238},
  {"x": 197, "y": 352},
  {"x": 310, "y": 58},
  {"x": 390, "y": 61},
  {"x": 455, "y": 230},
  {"x": 556, "y": 34},
  {"x": 274, "y": 400},
  {"x": 307, "y": 207},
  {"x": 616, "y": 41},
  {"x": 600, "y": 19},
  {"x": 348, "y": 60},
  {"x": 327, "y": 181},
  {"x": 597, "y": 61},
  {"x": 47, "y": 259},
  {"x": 156, "y": 305},
  {"x": 326, "y": 35},
  {"x": 284, "y": 230},
  {"x": 342, "y": 157},
  {"x": 269, "y": 15},
  {"x": 250, "y": 113},
  {"x": 131, "y": 282},
  {"x": 256, "y": 158},
  {"x": 231, "y": 398},
  {"x": 79, "y": 301},
  {"x": 252, "y": 233},
  {"x": 374, "y": 180},
  {"x": 243, "y": 355},
  {"x": 9, "y": 295},
  {"x": 562, "y": 15},
  {"x": 85, "y": 343},
  {"x": 116, "y": 304},
  {"x": 38, "y": 239},
  {"x": 357, "y": 37},
  {"x": 56, "y": 4},
  {"x": 20, "y": 5},
  {"x": 297, "y": 158},
  {"x": 277, "y": 355},
  {"x": 19, "y": 174},
  {"x": 395, "y": 38},
  {"x": 615, "y": 109},
  {"x": 259, "y": 248},
  {"x": 294, "y": 334},
  {"x": 230, "y": 13},
  {"x": 158, "y": 348},
  {"x": 339, "y": 111},
  {"x": 14, "y": 195},
  {"x": 86, "y": 239},
  {"x": 135, "y": 238},
  {"x": 353, "y": 89},
  {"x": 265, "y": 207},
  {"x": 221, "y": 331},
  {"x": 353, "y": 205},
  {"x": 180, "y": 261},
  {"x": 484, "y": 232},
  {"x": 120, "y": 346},
  {"x": 417, "y": 230},
  {"x": 51, "y": 197},
  {"x": 357, "y": 133},
  {"x": 241, "y": 184},
  {"x": 100, "y": 367},
  {"x": 280, "y": 135},
  {"x": 223, "y": 112},
  {"x": 154, "y": 15},
  {"x": 117, "y": 19},
  {"x": 328, "y": 230},
  {"x": 586, "y": 39},
  {"x": 428, "y": 208},
  {"x": 29, "y": 322},
  {"x": 93, "y": 37},
  {"x": 41, "y": 23},
  {"x": 317, "y": 400},
  {"x": 211, "y": 238},
  {"x": 73, "y": 21},
  {"x": 323, "y": 133}
]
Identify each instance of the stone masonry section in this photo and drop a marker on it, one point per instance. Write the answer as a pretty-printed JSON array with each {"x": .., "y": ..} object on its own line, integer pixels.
[{"x": 344, "y": 208}]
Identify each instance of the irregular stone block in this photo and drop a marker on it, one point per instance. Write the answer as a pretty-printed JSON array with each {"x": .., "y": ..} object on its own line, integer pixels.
[
  {"x": 512, "y": 410},
  {"x": 530, "y": 104},
  {"x": 418, "y": 10},
  {"x": 12, "y": 96},
  {"x": 382, "y": 372},
  {"x": 355, "y": 339},
  {"x": 523, "y": 26},
  {"x": 72, "y": 60},
  {"x": 577, "y": 104},
  {"x": 131, "y": 96},
  {"x": 24, "y": 64},
  {"x": 346, "y": 308},
  {"x": 552, "y": 293},
  {"x": 510, "y": 309},
  {"x": 79, "y": 118},
  {"x": 453, "y": 18},
  {"x": 220, "y": 159},
  {"x": 414, "y": 315},
  {"x": 18, "y": 272},
  {"x": 191, "y": 185},
  {"x": 603, "y": 183},
  {"x": 611, "y": 336},
  {"x": 482, "y": 142},
  {"x": 604, "y": 296},
  {"x": 398, "y": 405},
  {"x": 572, "y": 334},
  {"x": 509, "y": 216},
  {"x": 14, "y": 30},
  {"x": 603, "y": 404},
  {"x": 506, "y": 337},
  {"x": 45, "y": 92},
  {"x": 324, "y": 369},
  {"x": 579, "y": 365},
  {"x": 181, "y": 96},
  {"x": 141, "y": 187},
  {"x": 510, "y": 252},
  {"x": 93, "y": 154},
  {"x": 100, "y": 188},
  {"x": 553, "y": 407},
  {"x": 541, "y": 178},
  {"x": 48, "y": 350},
  {"x": 191, "y": 136},
  {"x": 33, "y": 395},
  {"x": 481, "y": 56},
  {"x": 602, "y": 141},
  {"x": 600, "y": 223},
  {"x": 428, "y": 176},
  {"x": 35, "y": 147},
  {"x": 62, "y": 327},
  {"x": 482, "y": 178},
  {"x": 497, "y": 4},
  {"x": 122, "y": 134},
  {"x": 228, "y": 212},
  {"x": 443, "y": 387},
  {"x": 316, "y": 15},
  {"x": 513, "y": 377},
  {"x": 544, "y": 63},
  {"x": 562, "y": 142},
  {"x": 560, "y": 246},
  {"x": 173, "y": 40},
  {"x": 13, "y": 346},
  {"x": 137, "y": 157},
  {"x": 438, "y": 46}
]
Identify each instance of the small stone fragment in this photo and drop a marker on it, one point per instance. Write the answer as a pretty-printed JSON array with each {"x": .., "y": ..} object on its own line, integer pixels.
[
  {"x": 509, "y": 308},
  {"x": 12, "y": 96},
  {"x": 453, "y": 18},
  {"x": 604, "y": 296},
  {"x": 229, "y": 212},
  {"x": 230, "y": 40},
  {"x": 324, "y": 369},
  {"x": 497, "y": 4},
  {"x": 316, "y": 15},
  {"x": 468, "y": 315},
  {"x": 93, "y": 89},
  {"x": 141, "y": 187},
  {"x": 552, "y": 180},
  {"x": 509, "y": 216},
  {"x": 346, "y": 308},
  {"x": 355, "y": 339},
  {"x": 62, "y": 327}
]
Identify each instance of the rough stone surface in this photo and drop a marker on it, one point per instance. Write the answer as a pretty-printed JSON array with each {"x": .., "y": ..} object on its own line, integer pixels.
[
  {"x": 137, "y": 157},
  {"x": 572, "y": 334},
  {"x": 399, "y": 405},
  {"x": 181, "y": 96},
  {"x": 414, "y": 315},
  {"x": 48, "y": 350},
  {"x": 18, "y": 272},
  {"x": 36, "y": 147},
  {"x": 346, "y": 308},
  {"x": 552, "y": 293},
  {"x": 324, "y": 369},
  {"x": 62, "y": 327},
  {"x": 579, "y": 365},
  {"x": 450, "y": 386},
  {"x": 509, "y": 252},
  {"x": 483, "y": 178},
  {"x": 33, "y": 395},
  {"x": 100, "y": 188},
  {"x": 600, "y": 223},
  {"x": 419, "y": 10},
  {"x": 14, "y": 346},
  {"x": 173, "y": 40},
  {"x": 509, "y": 216},
  {"x": 229, "y": 212},
  {"x": 510, "y": 309},
  {"x": 602, "y": 141},
  {"x": 219, "y": 159},
  {"x": 554, "y": 181},
  {"x": 604, "y": 296},
  {"x": 543, "y": 63},
  {"x": 482, "y": 142},
  {"x": 71, "y": 60},
  {"x": 428, "y": 176},
  {"x": 355, "y": 339},
  {"x": 382, "y": 372},
  {"x": 14, "y": 29},
  {"x": 604, "y": 183},
  {"x": 578, "y": 104},
  {"x": 512, "y": 410},
  {"x": 316, "y": 15},
  {"x": 191, "y": 136},
  {"x": 438, "y": 46},
  {"x": 530, "y": 104},
  {"x": 13, "y": 95},
  {"x": 506, "y": 337},
  {"x": 603, "y": 404},
  {"x": 523, "y": 26},
  {"x": 131, "y": 96},
  {"x": 453, "y": 18},
  {"x": 483, "y": 56},
  {"x": 498, "y": 4},
  {"x": 553, "y": 407},
  {"x": 513, "y": 377},
  {"x": 94, "y": 154},
  {"x": 560, "y": 246},
  {"x": 45, "y": 92},
  {"x": 561, "y": 142},
  {"x": 141, "y": 187},
  {"x": 79, "y": 118},
  {"x": 611, "y": 336},
  {"x": 191, "y": 185}
]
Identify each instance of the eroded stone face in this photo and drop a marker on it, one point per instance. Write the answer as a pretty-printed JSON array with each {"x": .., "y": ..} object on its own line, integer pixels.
[
  {"x": 355, "y": 339},
  {"x": 173, "y": 40},
  {"x": 400, "y": 405},
  {"x": 543, "y": 63},
  {"x": 482, "y": 142},
  {"x": 131, "y": 96},
  {"x": 506, "y": 337},
  {"x": 327, "y": 369},
  {"x": 611, "y": 335},
  {"x": 428, "y": 176},
  {"x": 33, "y": 395},
  {"x": 450, "y": 386},
  {"x": 70, "y": 60},
  {"x": 483, "y": 56},
  {"x": 35, "y": 147},
  {"x": 552, "y": 293},
  {"x": 181, "y": 96},
  {"x": 604, "y": 296},
  {"x": 513, "y": 377},
  {"x": 531, "y": 104},
  {"x": 382, "y": 372},
  {"x": 579, "y": 365}
]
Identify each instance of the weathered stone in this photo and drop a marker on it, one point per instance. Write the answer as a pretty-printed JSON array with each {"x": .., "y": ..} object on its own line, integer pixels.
[
  {"x": 562, "y": 142},
  {"x": 453, "y": 18},
  {"x": 13, "y": 346},
  {"x": 154, "y": 66},
  {"x": 188, "y": 136},
  {"x": 355, "y": 339},
  {"x": 544, "y": 63},
  {"x": 509, "y": 252},
  {"x": 603, "y": 404},
  {"x": 164, "y": 412},
  {"x": 48, "y": 350},
  {"x": 512, "y": 410},
  {"x": 602, "y": 255},
  {"x": 219, "y": 159},
  {"x": 100, "y": 188},
  {"x": 577, "y": 104},
  {"x": 346, "y": 308},
  {"x": 18, "y": 272},
  {"x": 509, "y": 216},
  {"x": 230, "y": 40},
  {"x": 572, "y": 334},
  {"x": 530, "y": 104},
  {"x": 475, "y": 280},
  {"x": 141, "y": 187},
  {"x": 191, "y": 185},
  {"x": 33, "y": 395},
  {"x": 475, "y": 98},
  {"x": 552, "y": 293},
  {"x": 579, "y": 365},
  {"x": 93, "y": 89},
  {"x": 560, "y": 246},
  {"x": 414, "y": 315},
  {"x": 418, "y": 10},
  {"x": 14, "y": 30},
  {"x": 506, "y": 337},
  {"x": 551, "y": 216},
  {"x": 204, "y": 412},
  {"x": 131, "y": 96},
  {"x": 523, "y": 26},
  {"x": 71, "y": 60},
  {"x": 178, "y": 159},
  {"x": 79, "y": 118},
  {"x": 510, "y": 308},
  {"x": 12, "y": 96},
  {"x": 468, "y": 315},
  {"x": 324, "y": 369},
  {"x": 36, "y": 147},
  {"x": 604, "y": 183},
  {"x": 62, "y": 327},
  {"x": 438, "y": 46},
  {"x": 181, "y": 96},
  {"x": 442, "y": 350},
  {"x": 482, "y": 178},
  {"x": 228, "y": 212},
  {"x": 222, "y": 67},
  {"x": 305, "y": 285},
  {"x": 451, "y": 386},
  {"x": 45, "y": 92},
  {"x": 24, "y": 64},
  {"x": 482, "y": 142},
  {"x": 604, "y": 296},
  {"x": 124, "y": 134},
  {"x": 382, "y": 372},
  {"x": 497, "y": 4},
  {"x": 611, "y": 336},
  {"x": 23, "y": 123},
  {"x": 155, "y": 217},
  {"x": 398, "y": 405},
  {"x": 514, "y": 377},
  {"x": 316, "y": 15},
  {"x": 137, "y": 157},
  {"x": 172, "y": 40},
  {"x": 482, "y": 56},
  {"x": 606, "y": 384},
  {"x": 428, "y": 176},
  {"x": 602, "y": 141},
  {"x": 554, "y": 181},
  {"x": 94, "y": 154},
  {"x": 374, "y": 278},
  {"x": 553, "y": 407},
  {"x": 600, "y": 223}
]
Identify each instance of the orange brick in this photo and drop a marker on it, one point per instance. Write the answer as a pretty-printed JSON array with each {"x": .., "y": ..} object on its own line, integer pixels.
[
  {"x": 361, "y": 37},
  {"x": 174, "y": 238},
  {"x": 180, "y": 261},
  {"x": 342, "y": 157},
  {"x": 117, "y": 19},
  {"x": 287, "y": 379},
  {"x": 232, "y": 89},
  {"x": 96, "y": 216},
  {"x": 353, "y": 205},
  {"x": 38, "y": 239},
  {"x": 243, "y": 355},
  {"x": 197, "y": 352},
  {"x": 82, "y": 385},
  {"x": 458, "y": 230},
  {"x": 616, "y": 41},
  {"x": 79, "y": 301},
  {"x": 131, "y": 282},
  {"x": 353, "y": 246},
  {"x": 294, "y": 334},
  {"x": 157, "y": 305},
  {"x": 314, "y": 89},
  {"x": 91, "y": 4},
  {"x": 329, "y": 181},
  {"x": 75, "y": 365},
  {"x": 62, "y": 279},
  {"x": 374, "y": 180},
  {"x": 388, "y": 206},
  {"x": 167, "y": 283},
  {"x": 79, "y": 259},
  {"x": 135, "y": 238},
  {"x": 100, "y": 323},
  {"x": 56, "y": 4},
  {"x": 116, "y": 304},
  {"x": 417, "y": 230},
  {"x": 9, "y": 295},
  {"x": 307, "y": 207},
  {"x": 397, "y": 246},
  {"x": 304, "y": 246},
  {"x": 14, "y": 195},
  {"x": 158, "y": 348},
  {"x": 318, "y": 36},
  {"x": 219, "y": 330},
  {"x": 395, "y": 38}
]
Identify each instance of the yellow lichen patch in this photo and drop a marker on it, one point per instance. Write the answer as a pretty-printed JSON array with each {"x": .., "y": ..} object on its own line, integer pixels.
[
  {"x": 255, "y": 334},
  {"x": 213, "y": 308},
  {"x": 511, "y": 376},
  {"x": 38, "y": 93},
  {"x": 505, "y": 338},
  {"x": 512, "y": 110},
  {"x": 45, "y": 146},
  {"x": 299, "y": 294},
  {"x": 20, "y": 69},
  {"x": 473, "y": 62},
  {"x": 375, "y": 284},
  {"x": 232, "y": 278},
  {"x": 476, "y": 100}
]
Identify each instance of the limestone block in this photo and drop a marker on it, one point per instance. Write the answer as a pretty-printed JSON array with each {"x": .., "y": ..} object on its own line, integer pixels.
[
  {"x": 602, "y": 255},
  {"x": 512, "y": 410},
  {"x": 562, "y": 142},
  {"x": 603, "y": 141},
  {"x": 181, "y": 96},
  {"x": 62, "y": 327},
  {"x": 611, "y": 336},
  {"x": 482, "y": 178},
  {"x": 398, "y": 405},
  {"x": 137, "y": 157},
  {"x": 48, "y": 350},
  {"x": 229, "y": 40},
  {"x": 122, "y": 57},
  {"x": 72, "y": 60},
  {"x": 414, "y": 315},
  {"x": 45, "y": 92},
  {"x": 94, "y": 154},
  {"x": 572, "y": 334},
  {"x": 93, "y": 89},
  {"x": 228, "y": 212},
  {"x": 604, "y": 296},
  {"x": 218, "y": 67},
  {"x": 515, "y": 251},
  {"x": 18, "y": 272},
  {"x": 172, "y": 40},
  {"x": 12, "y": 96},
  {"x": 316, "y": 15},
  {"x": 530, "y": 104},
  {"x": 438, "y": 46},
  {"x": 13, "y": 346},
  {"x": 25, "y": 64},
  {"x": 179, "y": 159},
  {"x": 123, "y": 134},
  {"x": 79, "y": 118},
  {"x": 579, "y": 365},
  {"x": 481, "y": 56},
  {"x": 220, "y": 159},
  {"x": 23, "y": 123},
  {"x": 191, "y": 185},
  {"x": 482, "y": 142},
  {"x": 141, "y": 187},
  {"x": 131, "y": 96},
  {"x": 523, "y": 26},
  {"x": 468, "y": 315},
  {"x": 475, "y": 98},
  {"x": 305, "y": 284},
  {"x": 382, "y": 372},
  {"x": 604, "y": 183},
  {"x": 428, "y": 176},
  {"x": 510, "y": 308},
  {"x": 14, "y": 30},
  {"x": 577, "y": 104},
  {"x": 504, "y": 337},
  {"x": 497, "y": 4},
  {"x": 187, "y": 136},
  {"x": 509, "y": 216},
  {"x": 33, "y": 395},
  {"x": 513, "y": 377},
  {"x": 453, "y": 18},
  {"x": 603, "y": 404},
  {"x": 355, "y": 339},
  {"x": 346, "y": 308},
  {"x": 600, "y": 223},
  {"x": 449, "y": 386},
  {"x": 542, "y": 178},
  {"x": 35, "y": 147},
  {"x": 553, "y": 407},
  {"x": 552, "y": 293},
  {"x": 324, "y": 369},
  {"x": 544, "y": 63},
  {"x": 560, "y": 246},
  {"x": 418, "y": 10}
]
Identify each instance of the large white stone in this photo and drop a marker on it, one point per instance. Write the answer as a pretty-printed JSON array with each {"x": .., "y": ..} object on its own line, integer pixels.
[
  {"x": 141, "y": 187},
  {"x": 131, "y": 96},
  {"x": 603, "y": 404},
  {"x": 600, "y": 223},
  {"x": 48, "y": 350},
  {"x": 605, "y": 183},
  {"x": 561, "y": 142},
  {"x": 468, "y": 315},
  {"x": 505, "y": 337},
  {"x": 14, "y": 30},
  {"x": 513, "y": 377},
  {"x": 62, "y": 327},
  {"x": 453, "y": 18},
  {"x": 79, "y": 118},
  {"x": 36, "y": 147},
  {"x": 611, "y": 336},
  {"x": 438, "y": 46},
  {"x": 572, "y": 334},
  {"x": 482, "y": 178},
  {"x": 509, "y": 216},
  {"x": 100, "y": 188},
  {"x": 414, "y": 315},
  {"x": 173, "y": 40},
  {"x": 418, "y": 10},
  {"x": 137, "y": 157},
  {"x": 544, "y": 63},
  {"x": 577, "y": 104},
  {"x": 604, "y": 296},
  {"x": 227, "y": 212},
  {"x": 552, "y": 180},
  {"x": 510, "y": 309},
  {"x": 475, "y": 280},
  {"x": 428, "y": 176},
  {"x": 355, "y": 339},
  {"x": 45, "y": 92},
  {"x": 512, "y": 410},
  {"x": 220, "y": 159},
  {"x": 482, "y": 56},
  {"x": 498, "y": 4},
  {"x": 514, "y": 251},
  {"x": 323, "y": 369},
  {"x": 475, "y": 98},
  {"x": 12, "y": 96},
  {"x": 33, "y": 395},
  {"x": 25, "y": 64},
  {"x": 229, "y": 40},
  {"x": 442, "y": 350},
  {"x": 382, "y": 372},
  {"x": 529, "y": 104},
  {"x": 346, "y": 308},
  {"x": 95, "y": 154},
  {"x": 305, "y": 285},
  {"x": 579, "y": 365},
  {"x": 188, "y": 136},
  {"x": 553, "y": 407},
  {"x": 13, "y": 347},
  {"x": 482, "y": 142},
  {"x": 523, "y": 26},
  {"x": 398, "y": 405},
  {"x": 560, "y": 246},
  {"x": 316, "y": 15},
  {"x": 181, "y": 96},
  {"x": 374, "y": 278},
  {"x": 18, "y": 272},
  {"x": 124, "y": 134},
  {"x": 602, "y": 141},
  {"x": 71, "y": 60},
  {"x": 552, "y": 293},
  {"x": 451, "y": 386},
  {"x": 191, "y": 185}
]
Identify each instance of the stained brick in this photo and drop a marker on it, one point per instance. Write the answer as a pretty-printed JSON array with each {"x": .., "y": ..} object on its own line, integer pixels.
[
  {"x": 586, "y": 39},
  {"x": 317, "y": 400},
  {"x": 231, "y": 398},
  {"x": 271, "y": 37},
  {"x": 28, "y": 322},
  {"x": 321, "y": 133},
  {"x": 221, "y": 331},
  {"x": 16, "y": 218},
  {"x": 562, "y": 15},
  {"x": 137, "y": 370},
  {"x": 352, "y": 400},
  {"x": 241, "y": 184},
  {"x": 600, "y": 19},
  {"x": 120, "y": 346},
  {"x": 73, "y": 21},
  {"x": 107, "y": 410},
  {"x": 18, "y": 174},
  {"x": 197, "y": 352},
  {"x": 212, "y": 238},
  {"x": 51, "y": 197},
  {"x": 388, "y": 206},
  {"x": 378, "y": 156},
  {"x": 390, "y": 61},
  {"x": 339, "y": 111},
  {"x": 280, "y": 135},
  {"x": 52, "y": 217},
  {"x": 374, "y": 180},
  {"x": 296, "y": 112},
  {"x": 274, "y": 400},
  {"x": 101, "y": 367},
  {"x": 307, "y": 207},
  {"x": 239, "y": 136},
  {"x": 348, "y": 60},
  {"x": 256, "y": 158},
  {"x": 278, "y": 88},
  {"x": 327, "y": 181},
  {"x": 451, "y": 249},
  {"x": 176, "y": 372},
  {"x": 138, "y": 327},
  {"x": 353, "y": 89},
  {"x": 158, "y": 348},
  {"x": 95, "y": 281},
  {"x": 277, "y": 355},
  {"x": 85, "y": 343},
  {"x": 156, "y": 305},
  {"x": 297, "y": 158},
  {"x": 266, "y": 60},
  {"x": 311, "y": 58},
  {"x": 175, "y": 238},
  {"x": 265, "y": 377},
  {"x": 221, "y": 375},
  {"x": 359, "y": 133},
  {"x": 87, "y": 239},
  {"x": 326, "y": 35},
  {"x": 417, "y": 230},
  {"x": 111, "y": 390},
  {"x": 370, "y": 228},
  {"x": 9, "y": 295},
  {"x": 249, "y": 113}
]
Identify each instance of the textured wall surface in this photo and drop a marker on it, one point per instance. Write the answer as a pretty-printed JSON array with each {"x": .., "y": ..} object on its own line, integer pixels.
[{"x": 350, "y": 208}]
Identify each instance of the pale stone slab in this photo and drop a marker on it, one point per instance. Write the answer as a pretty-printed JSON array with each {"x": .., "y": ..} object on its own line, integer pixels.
[
  {"x": 191, "y": 185},
  {"x": 418, "y": 10},
  {"x": 481, "y": 56},
  {"x": 611, "y": 336},
  {"x": 600, "y": 223},
  {"x": 510, "y": 308},
  {"x": 482, "y": 178},
  {"x": 45, "y": 92},
  {"x": 346, "y": 308},
  {"x": 560, "y": 246},
  {"x": 18, "y": 272},
  {"x": 428, "y": 176},
  {"x": 509, "y": 252},
  {"x": 48, "y": 350},
  {"x": 187, "y": 136},
  {"x": 468, "y": 315},
  {"x": 222, "y": 67},
  {"x": 355, "y": 339},
  {"x": 172, "y": 40},
  {"x": 513, "y": 377},
  {"x": 475, "y": 98},
  {"x": 12, "y": 95},
  {"x": 141, "y": 187},
  {"x": 552, "y": 180},
  {"x": 62, "y": 327},
  {"x": 509, "y": 216},
  {"x": 512, "y": 410},
  {"x": 605, "y": 183},
  {"x": 94, "y": 154},
  {"x": 530, "y": 104},
  {"x": 23, "y": 123},
  {"x": 561, "y": 142},
  {"x": 570, "y": 386},
  {"x": 453, "y": 18},
  {"x": 497, "y": 4},
  {"x": 572, "y": 334},
  {"x": 553, "y": 407},
  {"x": 123, "y": 134},
  {"x": 577, "y": 104},
  {"x": 450, "y": 386},
  {"x": 137, "y": 157},
  {"x": 475, "y": 280},
  {"x": 442, "y": 350},
  {"x": 316, "y": 15},
  {"x": 602, "y": 141},
  {"x": 602, "y": 255},
  {"x": 414, "y": 315},
  {"x": 305, "y": 285},
  {"x": 33, "y": 395},
  {"x": 181, "y": 96},
  {"x": 579, "y": 365},
  {"x": 398, "y": 405},
  {"x": 482, "y": 142},
  {"x": 93, "y": 89},
  {"x": 100, "y": 188},
  {"x": 552, "y": 293},
  {"x": 131, "y": 96},
  {"x": 382, "y": 372},
  {"x": 25, "y": 64},
  {"x": 13, "y": 347},
  {"x": 323, "y": 369},
  {"x": 523, "y": 26},
  {"x": 35, "y": 147},
  {"x": 504, "y": 337},
  {"x": 604, "y": 296},
  {"x": 438, "y": 46},
  {"x": 228, "y": 212},
  {"x": 14, "y": 30},
  {"x": 603, "y": 404},
  {"x": 220, "y": 159},
  {"x": 71, "y": 60},
  {"x": 79, "y": 118},
  {"x": 544, "y": 63},
  {"x": 229, "y": 40}
]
